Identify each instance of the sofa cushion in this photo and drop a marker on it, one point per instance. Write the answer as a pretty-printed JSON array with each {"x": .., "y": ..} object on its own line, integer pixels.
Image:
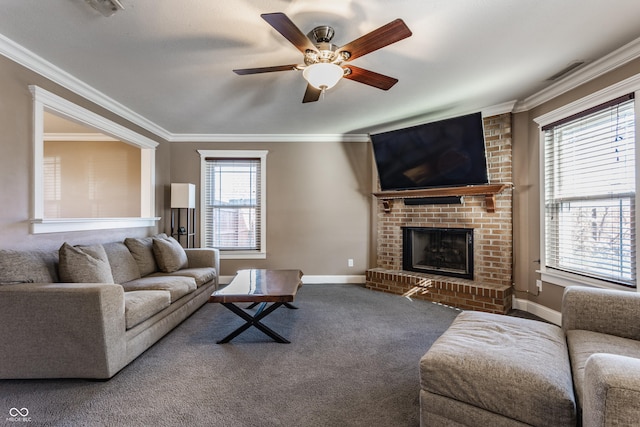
[
  {"x": 201, "y": 275},
  {"x": 141, "y": 305},
  {"x": 170, "y": 254},
  {"x": 84, "y": 264},
  {"x": 178, "y": 286},
  {"x": 515, "y": 367},
  {"x": 583, "y": 344},
  {"x": 142, "y": 251},
  {"x": 124, "y": 267},
  {"x": 28, "y": 266}
]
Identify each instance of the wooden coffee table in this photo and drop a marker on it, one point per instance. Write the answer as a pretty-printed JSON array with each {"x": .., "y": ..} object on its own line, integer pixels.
[{"x": 259, "y": 287}]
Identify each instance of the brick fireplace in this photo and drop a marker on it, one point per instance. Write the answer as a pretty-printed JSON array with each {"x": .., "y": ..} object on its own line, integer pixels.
[{"x": 490, "y": 218}]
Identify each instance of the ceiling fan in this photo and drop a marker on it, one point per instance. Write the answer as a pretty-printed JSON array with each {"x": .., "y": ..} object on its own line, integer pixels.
[{"x": 325, "y": 63}]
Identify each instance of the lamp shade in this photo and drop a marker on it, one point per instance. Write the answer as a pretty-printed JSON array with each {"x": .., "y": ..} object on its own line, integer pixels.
[
  {"x": 183, "y": 195},
  {"x": 323, "y": 75}
]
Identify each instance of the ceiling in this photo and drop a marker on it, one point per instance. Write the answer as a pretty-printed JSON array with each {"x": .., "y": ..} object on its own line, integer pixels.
[{"x": 168, "y": 65}]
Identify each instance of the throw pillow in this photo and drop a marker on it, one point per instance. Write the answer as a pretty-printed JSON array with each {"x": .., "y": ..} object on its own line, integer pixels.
[
  {"x": 123, "y": 266},
  {"x": 142, "y": 251},
  {"x": 170, "y": 254},
  {"x": 84, "y": 264}
]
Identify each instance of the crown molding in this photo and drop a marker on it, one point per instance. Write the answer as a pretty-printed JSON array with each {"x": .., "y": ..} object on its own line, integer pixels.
[
  {"x": 591, "y": 71},
  {"x": 35, "y": 63},
  {"x": 495, "y": 110},
  {"x": 234, "y": 137}
]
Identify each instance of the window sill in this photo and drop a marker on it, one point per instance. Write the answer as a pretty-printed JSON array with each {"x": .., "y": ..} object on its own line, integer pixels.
[
  {"x": 563, "y": 279},
  {"x": 242, "y": 255},
  {"x": 61, "y": 225}
]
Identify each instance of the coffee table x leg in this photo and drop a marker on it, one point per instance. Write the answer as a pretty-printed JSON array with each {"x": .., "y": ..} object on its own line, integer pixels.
[{"x": 255, "y": 321}]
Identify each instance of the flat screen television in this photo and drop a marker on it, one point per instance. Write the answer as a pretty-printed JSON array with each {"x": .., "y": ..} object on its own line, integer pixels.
[{"x": 445, "y": 153}]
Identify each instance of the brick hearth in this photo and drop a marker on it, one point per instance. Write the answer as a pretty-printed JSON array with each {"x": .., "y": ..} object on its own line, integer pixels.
[
  {"x": 461, "y": 293},
  {"x": 491, "y": 290}
]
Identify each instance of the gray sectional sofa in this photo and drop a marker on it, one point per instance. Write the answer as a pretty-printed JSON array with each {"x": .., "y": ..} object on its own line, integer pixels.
[
  {"x": 489, "y": 369},
  {"x": 88, "y": 311}
]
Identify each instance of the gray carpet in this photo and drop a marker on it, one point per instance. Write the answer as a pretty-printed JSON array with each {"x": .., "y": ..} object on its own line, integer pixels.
[{"x": 352, "y": 361}]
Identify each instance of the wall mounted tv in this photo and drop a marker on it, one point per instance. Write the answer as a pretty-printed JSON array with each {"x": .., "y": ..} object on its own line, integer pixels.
[{"x": 445, "y": 153}]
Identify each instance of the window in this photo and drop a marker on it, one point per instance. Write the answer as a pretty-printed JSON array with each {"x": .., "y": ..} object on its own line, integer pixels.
[
  {"x": 590, "y": 193},
  {"x": 233, "y": 202},
  {"x": 49, "y": 177}
]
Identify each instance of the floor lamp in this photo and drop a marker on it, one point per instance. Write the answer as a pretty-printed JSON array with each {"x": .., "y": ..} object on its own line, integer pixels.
[{"x": 183, "y": 196}]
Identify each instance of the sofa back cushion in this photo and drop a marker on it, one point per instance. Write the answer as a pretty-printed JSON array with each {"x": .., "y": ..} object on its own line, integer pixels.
[
  {"x": 84, "y": 264},
  {"x": 170, "y": 254},
  {"x": 28, "y": 266},
  {"x": 142, "y": 251},
  {"x": 124, "y": 267}
]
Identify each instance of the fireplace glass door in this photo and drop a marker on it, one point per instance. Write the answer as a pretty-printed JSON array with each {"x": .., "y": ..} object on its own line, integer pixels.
[{"x": 444, "y": 251}]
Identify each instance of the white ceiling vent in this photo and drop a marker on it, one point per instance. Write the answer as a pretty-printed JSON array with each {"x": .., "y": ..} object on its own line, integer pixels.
[{"x": 106, "y": 7}]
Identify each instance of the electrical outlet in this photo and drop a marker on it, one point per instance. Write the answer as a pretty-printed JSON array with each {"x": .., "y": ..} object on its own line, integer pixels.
[
  {"x": 350, "y": 262},
  {"x": 539, "y": 285}
]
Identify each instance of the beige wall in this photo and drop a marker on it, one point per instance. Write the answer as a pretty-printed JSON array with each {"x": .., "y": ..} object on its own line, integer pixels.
[
  {"x": 526, "y": 152},
  {"x": 318, "y": 203},
  {"x": 16, "y": 153},
  {"x": 319, "y": 194}
]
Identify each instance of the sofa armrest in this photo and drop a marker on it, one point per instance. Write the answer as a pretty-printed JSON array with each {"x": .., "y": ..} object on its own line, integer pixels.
[
  {"x": 611, "y": 391},
  {"x": 601, "y": 310},
  {"x": 204, "y": 257},
  {"x": 62, "y": 330}
]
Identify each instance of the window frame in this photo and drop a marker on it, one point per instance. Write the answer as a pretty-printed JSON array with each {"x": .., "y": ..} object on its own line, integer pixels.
[
  {"x": 629, "y": 85},
  {"x": 44, "y": 100},
  {"x": 231, "y": 155}
]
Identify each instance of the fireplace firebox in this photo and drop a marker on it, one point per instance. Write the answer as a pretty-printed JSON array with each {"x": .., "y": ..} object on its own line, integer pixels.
[{"x": 444, "y": 251}]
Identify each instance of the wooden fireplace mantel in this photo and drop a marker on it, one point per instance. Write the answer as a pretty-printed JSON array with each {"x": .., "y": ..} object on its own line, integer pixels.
[{"x": 489, "y": 191}]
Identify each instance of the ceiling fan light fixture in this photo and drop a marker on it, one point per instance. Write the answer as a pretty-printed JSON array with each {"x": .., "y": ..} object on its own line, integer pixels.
[
  {"x": 323, "y": 75},
  {"x": 324, "y": 63}
]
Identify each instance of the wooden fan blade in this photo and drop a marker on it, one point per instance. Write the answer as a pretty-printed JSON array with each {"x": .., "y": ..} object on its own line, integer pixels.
[
  {"x": 312, "y": 94},
  {"x": 288, "y": 29},
  {"x": 243, "y": 71},
  {"x": 387, "y": 34},
  {"x": 370, "y": 78}
]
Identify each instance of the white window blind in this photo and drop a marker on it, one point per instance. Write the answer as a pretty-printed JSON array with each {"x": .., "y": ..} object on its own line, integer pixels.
[
  {"x": 590, "y": 193},
  {"x": 232, "y": 204},
  {"x": 52, "y": 186}
]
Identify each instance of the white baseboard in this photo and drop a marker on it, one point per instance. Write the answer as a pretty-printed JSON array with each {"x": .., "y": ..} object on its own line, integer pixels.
[
  {"x": 539, "y": 310},
  {"x": 314, "y": 280}
]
